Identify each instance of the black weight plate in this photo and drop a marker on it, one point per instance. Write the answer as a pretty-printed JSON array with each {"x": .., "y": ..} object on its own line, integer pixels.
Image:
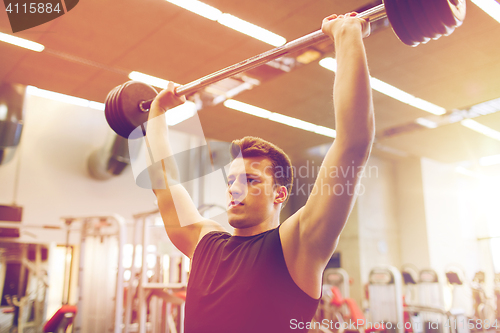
[
  {"x": 121, "y": 126},
  {"x": 434, "y": 17},
  {"x": 421, "y": 18},
  {"x": 391, "y": 9},
  {"x": 107, "y": 104},
  {"x": 445, "y": 11},
  {"x": 127, "y": 122},
  {"x": 410, "y": 22},
  {"x": 107, "y": 107},
  {"x": 109, "y": 110},
  {"x": 125, "y": 125},
  {"x": 132, "y": 93},
  {"x": 452, "y": 13}
]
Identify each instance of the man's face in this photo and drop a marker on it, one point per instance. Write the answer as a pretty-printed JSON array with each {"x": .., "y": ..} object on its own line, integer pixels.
[{"x": 250, "y": 192}]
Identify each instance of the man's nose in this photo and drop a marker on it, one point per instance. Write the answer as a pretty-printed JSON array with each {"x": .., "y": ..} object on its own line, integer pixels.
[{"x": 237, "y": 189}]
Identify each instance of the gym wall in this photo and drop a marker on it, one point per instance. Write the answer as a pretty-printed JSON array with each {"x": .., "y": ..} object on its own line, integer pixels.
[{"x": 53, "y": 177}]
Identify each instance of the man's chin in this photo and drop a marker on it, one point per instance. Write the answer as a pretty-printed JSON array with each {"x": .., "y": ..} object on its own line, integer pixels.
[{"x": 237, "y": 222}]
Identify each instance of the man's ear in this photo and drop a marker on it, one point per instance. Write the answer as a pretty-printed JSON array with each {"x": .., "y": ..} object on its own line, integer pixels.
[{"x": 281, "y": 195}]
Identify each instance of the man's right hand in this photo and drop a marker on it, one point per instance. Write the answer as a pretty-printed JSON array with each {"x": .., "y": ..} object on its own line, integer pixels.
[
  {"x": 165, "y": 100},
  {"x": 335, "y": 24}
]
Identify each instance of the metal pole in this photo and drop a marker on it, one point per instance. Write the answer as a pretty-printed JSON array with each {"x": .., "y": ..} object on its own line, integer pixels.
[
  {"x": 133, "y": 270},
  {"x": 120, "y": 224},
  {"x": 143, "y": 280},
  {"x": 67, "y": 267},
  {"x": 77, "y": 326}
]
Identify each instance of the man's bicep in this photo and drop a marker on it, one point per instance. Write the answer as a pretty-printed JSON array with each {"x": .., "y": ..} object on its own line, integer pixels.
[{"x": 332, "y": 198}]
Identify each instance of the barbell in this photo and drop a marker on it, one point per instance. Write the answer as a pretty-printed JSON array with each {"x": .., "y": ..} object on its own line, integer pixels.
[{"x": 413, "y": 21}]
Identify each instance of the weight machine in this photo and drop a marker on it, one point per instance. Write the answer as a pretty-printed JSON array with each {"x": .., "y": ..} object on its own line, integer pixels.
[
  {"x": 23, "y": 285},
  {"x": 157, "y": 294},
  {"x": 461, "y": 307},
  {"x": 386, "y": 298},
  {"x": 100, "y": 280}
]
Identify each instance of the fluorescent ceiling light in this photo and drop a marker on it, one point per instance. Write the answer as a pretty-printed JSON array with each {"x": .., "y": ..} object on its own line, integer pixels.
[
  {"x": 148, "y": 79},
  {"x": 308, "y": 57},
  {"x": 404, "y": 97},
  {"x": 180, "y": 113},
  {"x": 426, "y": 123},
  {"x": 329, "y": 63},
  {"x": 480, "y": 128},
  {"x": 280, "y": 118},
  {"x": 489, "y": 160},
  {"x": 326, "y": 131},
  {"x": 424, "y": 105},
  {"x": 487, "y": 107},
  {"x": 391, "y": 91},
  {"x": 27, "y": 44},
  {"x": 96, "y": 105},
  {"x": 247, "y": 108},
  {"x": 57, "y": 96},
  {"x": 199, "y": 8},
  {"x": 490, "y": 7},
  {"x": 230, "y": 21},
  {"x": 34, "y": 91},
  {"x": 251, "y": 30},
  {"x": 293, "y": 122}
]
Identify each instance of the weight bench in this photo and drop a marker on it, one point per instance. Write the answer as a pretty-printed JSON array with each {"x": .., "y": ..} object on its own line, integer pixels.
[{"x": 60, "y": 320}]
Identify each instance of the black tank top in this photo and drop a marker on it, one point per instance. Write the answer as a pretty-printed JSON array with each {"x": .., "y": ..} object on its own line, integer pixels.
[{"x": 242, "y": 285}]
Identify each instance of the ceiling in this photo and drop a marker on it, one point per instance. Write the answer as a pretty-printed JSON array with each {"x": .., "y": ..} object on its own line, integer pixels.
[{"x": 92, "y": 48}]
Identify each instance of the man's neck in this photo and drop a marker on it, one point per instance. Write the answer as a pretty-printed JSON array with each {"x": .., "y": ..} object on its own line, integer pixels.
[{"x": 257, "y": 229}]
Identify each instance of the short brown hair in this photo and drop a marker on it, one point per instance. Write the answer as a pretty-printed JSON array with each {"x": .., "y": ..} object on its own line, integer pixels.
[{"x": 251, "y": 146}]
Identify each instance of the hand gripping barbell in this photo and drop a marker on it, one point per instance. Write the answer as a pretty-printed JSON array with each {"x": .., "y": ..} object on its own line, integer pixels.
[{"x": 413, "y": 21}]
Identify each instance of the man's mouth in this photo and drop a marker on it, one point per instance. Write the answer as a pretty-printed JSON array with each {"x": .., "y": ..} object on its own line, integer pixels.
[{"x": 234, "y": 204}]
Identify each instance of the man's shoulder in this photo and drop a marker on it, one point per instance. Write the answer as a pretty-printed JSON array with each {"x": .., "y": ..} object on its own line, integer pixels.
[
  {"x": 214, "y": 236},
  {"x": 218, "y": 234}
]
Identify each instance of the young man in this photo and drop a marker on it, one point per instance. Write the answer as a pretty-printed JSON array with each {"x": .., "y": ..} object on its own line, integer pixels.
[{"x": 267, "y": 277}]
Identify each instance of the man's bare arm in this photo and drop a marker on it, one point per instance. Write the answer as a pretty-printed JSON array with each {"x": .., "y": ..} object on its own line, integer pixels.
[
  {"x": 183, "y": 223},
  {"x": 320, "y": 222}
]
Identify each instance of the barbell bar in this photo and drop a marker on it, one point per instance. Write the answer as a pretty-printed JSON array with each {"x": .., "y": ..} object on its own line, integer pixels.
[{"x": 413, "y": 21}]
